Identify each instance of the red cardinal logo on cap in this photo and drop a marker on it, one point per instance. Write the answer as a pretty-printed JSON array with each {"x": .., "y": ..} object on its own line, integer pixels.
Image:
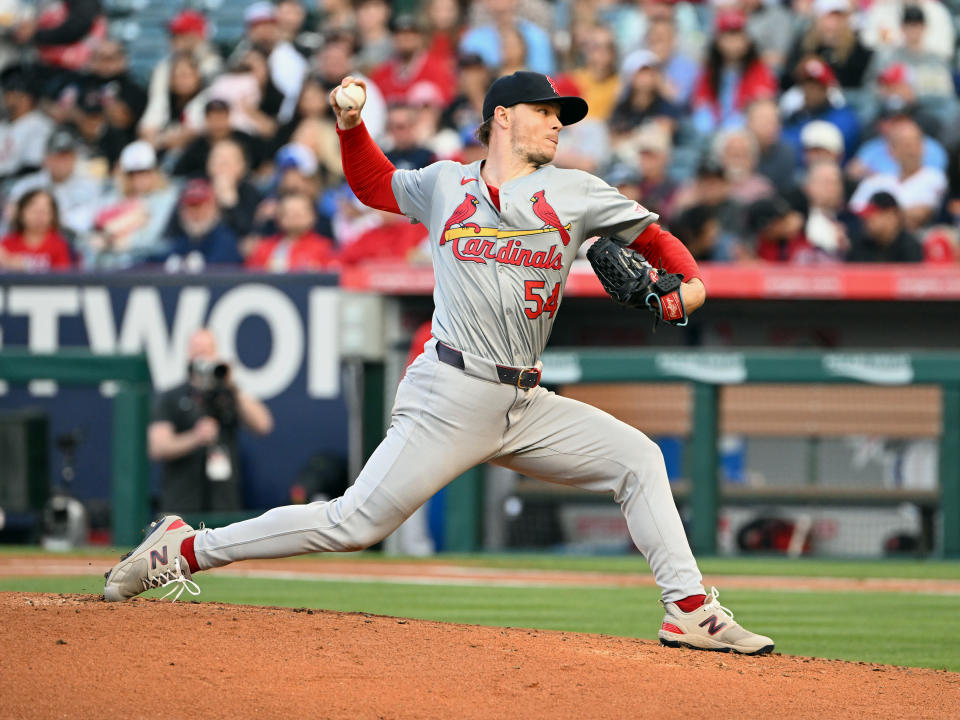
[
  {"x": 464, "y": 210},
  {"x": 545, "y": 212},
  {"x": 552, "y": 84}
]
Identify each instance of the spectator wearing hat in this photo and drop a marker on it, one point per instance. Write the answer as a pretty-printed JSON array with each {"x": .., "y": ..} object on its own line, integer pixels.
[
  {"x": 35, "y": 243},
  {"x": 918, "y": 190},
  {"x": 198, "y": 236},
  {"x": 108, "y": 75},
  {"x": 822, "y": 143},
  {"x": 776, "y": 159},
  {"x": 732, "y": 76},
  {"x": 922, "y": 78},
  {"x": 483, "y": 38},
  {"x": 102, "y": 143},
  {"x": 884, "y": 236},
  {"x": 777, "y": 232},
  {"x": 821, "y": 140},
  {"x": 831, "y": 38},
  {"x": 817, "y": 81},
  {"x": 172, "y": 120},
  {"x": 130, "y": 224},
  {"x": 76, "y": 191},
  {"x": 297, "y": 246},
  {"x": 680, "y": 71},
  {"x": 928, "y": 73},
  {"x": 895, "y": 96},
  {"x": 295, "y": 171},
  {"x": 642, "y": 98},
  {"x": 875, "y": 156},
  {"x": 237, "y": 197},
  {"x": 286, "y": 66},
  {"x": 411, "y": 63},
  {"x": 192, "y": 162},
  {"x": 25, "y": 130},
  {"x": 883, "y": 30},
  {"x": 187, "y": 33}
]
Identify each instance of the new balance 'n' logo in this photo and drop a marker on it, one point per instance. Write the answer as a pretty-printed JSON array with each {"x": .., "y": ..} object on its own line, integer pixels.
[
  {"x": 156, "y": 556},
  {"x": 712, "y": 622}
]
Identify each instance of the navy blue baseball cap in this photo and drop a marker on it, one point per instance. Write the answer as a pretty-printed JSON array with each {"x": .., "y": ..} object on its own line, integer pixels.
[{"x": 530, "y": 87}]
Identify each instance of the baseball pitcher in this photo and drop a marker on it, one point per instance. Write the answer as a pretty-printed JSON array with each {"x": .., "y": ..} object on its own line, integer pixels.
[{"x": 504, "y": 232}]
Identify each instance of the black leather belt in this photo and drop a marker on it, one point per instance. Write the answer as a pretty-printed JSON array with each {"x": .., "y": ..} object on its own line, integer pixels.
[{"x": 524, "y": 378}]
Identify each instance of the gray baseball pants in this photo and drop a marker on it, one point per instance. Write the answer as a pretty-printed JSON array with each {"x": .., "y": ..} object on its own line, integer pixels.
[{"x": 445, "y": 421}]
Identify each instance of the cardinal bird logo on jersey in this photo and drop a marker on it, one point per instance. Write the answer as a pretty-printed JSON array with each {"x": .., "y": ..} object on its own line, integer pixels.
[
  {"x": 464, "y": 210},
  {"x": 545, "y": 212}
]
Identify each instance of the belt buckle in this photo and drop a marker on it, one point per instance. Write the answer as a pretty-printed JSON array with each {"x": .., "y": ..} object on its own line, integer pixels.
[{"x": 528, "y": 378}]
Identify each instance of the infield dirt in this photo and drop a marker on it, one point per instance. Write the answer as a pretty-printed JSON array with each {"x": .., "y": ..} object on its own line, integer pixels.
[{"x": 77, "y": 656}]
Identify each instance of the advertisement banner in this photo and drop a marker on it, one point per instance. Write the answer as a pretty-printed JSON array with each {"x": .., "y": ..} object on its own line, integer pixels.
[{"x": 279, "y": 334}]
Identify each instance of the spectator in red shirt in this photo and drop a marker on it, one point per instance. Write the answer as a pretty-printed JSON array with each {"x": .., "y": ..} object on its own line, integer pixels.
[
  {"x": 733, "y": 76},
  {"x": 411, "y": 63},
  {"x": 297, "y": 247},
  {"x": 36, "y": 244}
]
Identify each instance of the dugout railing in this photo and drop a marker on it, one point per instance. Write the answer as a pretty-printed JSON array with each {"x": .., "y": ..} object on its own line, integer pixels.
[
  {"x": 705, "y": 373},
  {"x": 130, "y": 481}
]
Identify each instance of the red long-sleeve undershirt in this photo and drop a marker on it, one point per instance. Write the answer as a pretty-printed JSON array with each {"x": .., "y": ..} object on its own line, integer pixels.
[
  {"x": 367, "y": 169},
  {"x": 369, "y": 173},
  {"x": 663, "y": 249}
]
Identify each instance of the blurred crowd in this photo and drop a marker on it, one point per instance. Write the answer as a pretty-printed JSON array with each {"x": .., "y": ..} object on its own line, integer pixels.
[{"x": 811, "y": 131}]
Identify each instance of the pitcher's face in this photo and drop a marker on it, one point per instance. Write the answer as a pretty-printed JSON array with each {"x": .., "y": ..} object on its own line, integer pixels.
[{"x": 535, "y": 131}]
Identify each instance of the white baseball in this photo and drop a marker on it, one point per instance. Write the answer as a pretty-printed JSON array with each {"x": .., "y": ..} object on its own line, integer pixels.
[{"x": 350, "y": 97}]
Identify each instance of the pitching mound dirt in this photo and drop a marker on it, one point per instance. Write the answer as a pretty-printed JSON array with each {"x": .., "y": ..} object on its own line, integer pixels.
[{"x": 77, "y": 656}]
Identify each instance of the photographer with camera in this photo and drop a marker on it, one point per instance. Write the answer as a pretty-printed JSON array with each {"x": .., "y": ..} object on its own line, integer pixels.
[{"x": 194, "y": 433}]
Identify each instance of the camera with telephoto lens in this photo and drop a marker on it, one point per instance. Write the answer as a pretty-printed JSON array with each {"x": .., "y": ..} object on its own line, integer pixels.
[{"x": 218, "y": 398}]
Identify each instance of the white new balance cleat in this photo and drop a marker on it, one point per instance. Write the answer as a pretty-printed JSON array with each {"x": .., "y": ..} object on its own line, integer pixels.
[
  {"x": 154, "y": 563},
  {"x": 710, "y": 627}
]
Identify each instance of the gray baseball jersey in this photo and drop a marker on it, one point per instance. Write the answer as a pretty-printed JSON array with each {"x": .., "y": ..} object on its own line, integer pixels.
[
  {"x": 499, "y": 282},
  {"x": 500, "y": 275}
]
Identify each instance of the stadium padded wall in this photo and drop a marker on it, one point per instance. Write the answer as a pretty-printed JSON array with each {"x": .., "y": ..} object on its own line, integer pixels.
[{"x": 130, "y": 505}]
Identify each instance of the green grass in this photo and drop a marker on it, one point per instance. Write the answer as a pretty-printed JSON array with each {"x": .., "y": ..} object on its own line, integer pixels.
[
  {"x": 794, "y": 567},
  {"x": 893, "y": 628}
]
